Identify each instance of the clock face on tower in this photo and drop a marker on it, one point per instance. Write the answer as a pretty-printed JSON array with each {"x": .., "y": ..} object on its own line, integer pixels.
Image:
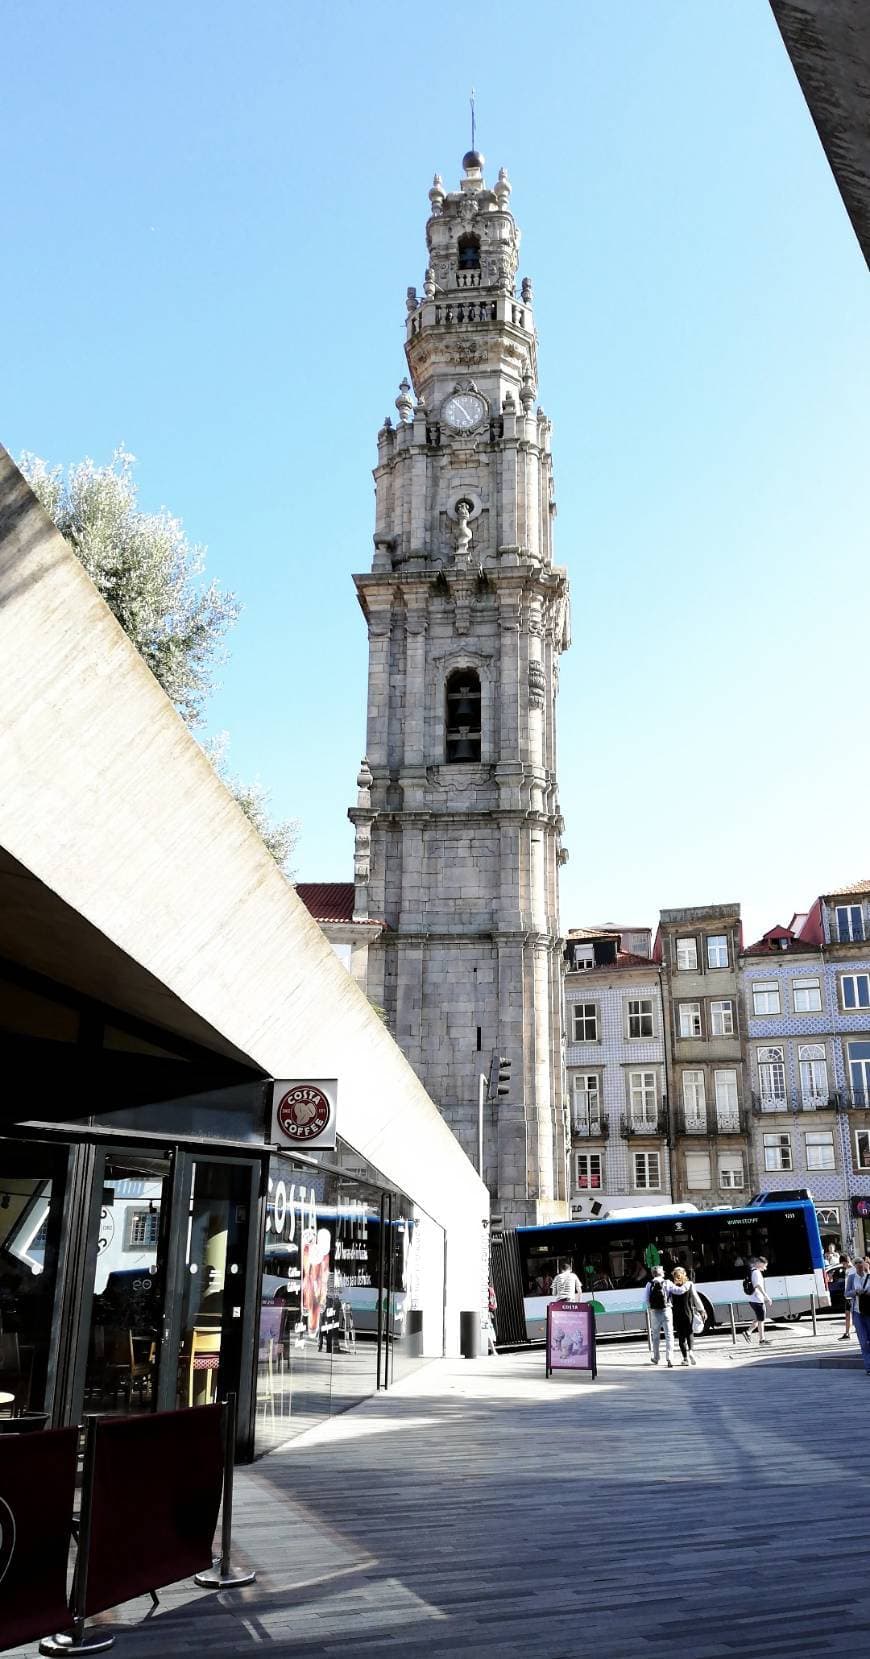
[{"x": 463, "y": 410}]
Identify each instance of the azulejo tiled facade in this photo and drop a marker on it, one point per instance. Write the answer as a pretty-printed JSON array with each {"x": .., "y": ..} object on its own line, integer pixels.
[{"x": 756, "y": 1062}]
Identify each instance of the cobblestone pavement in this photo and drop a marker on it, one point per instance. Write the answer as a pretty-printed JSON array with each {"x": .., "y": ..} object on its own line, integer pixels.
[{"x": 480, "y": 1508}]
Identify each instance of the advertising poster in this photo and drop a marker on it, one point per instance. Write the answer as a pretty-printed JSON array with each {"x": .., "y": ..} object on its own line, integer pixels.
[{"x": 571, "y": 1337}]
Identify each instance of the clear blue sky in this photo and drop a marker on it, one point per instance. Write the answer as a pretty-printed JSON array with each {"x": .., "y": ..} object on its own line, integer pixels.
[{"x": 212, "y": 212}]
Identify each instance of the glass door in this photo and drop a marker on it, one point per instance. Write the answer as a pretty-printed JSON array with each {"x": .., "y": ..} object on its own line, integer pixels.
[
  {"x": 209, "y": 1335},
  {"x": 129, "y": 1280}
]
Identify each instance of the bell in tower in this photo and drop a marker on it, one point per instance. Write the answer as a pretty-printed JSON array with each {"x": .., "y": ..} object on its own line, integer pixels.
[{"x": 459, "y": 835}]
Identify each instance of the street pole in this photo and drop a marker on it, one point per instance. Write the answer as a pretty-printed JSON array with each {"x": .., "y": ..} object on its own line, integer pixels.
[{"x": 482, "y": 1091}]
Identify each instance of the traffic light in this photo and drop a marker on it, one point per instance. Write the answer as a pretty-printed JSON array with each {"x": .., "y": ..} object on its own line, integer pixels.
[{"x": 503, "y": 1082}]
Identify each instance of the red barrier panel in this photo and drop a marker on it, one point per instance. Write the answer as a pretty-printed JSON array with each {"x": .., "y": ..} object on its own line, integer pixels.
[
  {"x": 156, "y": 1493},
  {"x": 37, "y": 1490}
]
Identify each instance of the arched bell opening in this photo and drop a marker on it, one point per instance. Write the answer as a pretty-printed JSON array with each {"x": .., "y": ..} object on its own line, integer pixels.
[{"x": 462, "y": 716}]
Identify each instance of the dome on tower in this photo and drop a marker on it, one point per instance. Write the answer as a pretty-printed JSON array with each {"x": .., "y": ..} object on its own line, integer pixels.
[{"x": 473, "y": 161}]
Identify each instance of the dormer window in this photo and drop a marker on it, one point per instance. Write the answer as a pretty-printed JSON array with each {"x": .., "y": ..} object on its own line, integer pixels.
[
  {"x": 462, "y": 716},
  {"x": 469, "y": 253}
]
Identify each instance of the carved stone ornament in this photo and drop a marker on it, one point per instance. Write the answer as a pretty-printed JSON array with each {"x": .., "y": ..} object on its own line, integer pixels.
[
  {"x": 465, "y": 354},
  {"x": 537, "y": 685}
]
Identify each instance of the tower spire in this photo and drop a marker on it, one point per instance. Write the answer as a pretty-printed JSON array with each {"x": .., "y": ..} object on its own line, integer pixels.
[{"x": 473, "y": 121}]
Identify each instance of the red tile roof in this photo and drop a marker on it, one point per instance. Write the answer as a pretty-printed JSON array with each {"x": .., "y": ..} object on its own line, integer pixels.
[
  {"x": 328, "y": 901},
  {"x": 850, "y": 887}
]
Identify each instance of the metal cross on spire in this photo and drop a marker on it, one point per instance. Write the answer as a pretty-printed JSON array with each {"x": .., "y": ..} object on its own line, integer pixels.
[{"x": 473, "y": 119}]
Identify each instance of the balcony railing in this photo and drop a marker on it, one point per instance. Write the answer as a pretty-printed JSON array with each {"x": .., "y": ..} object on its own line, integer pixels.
[
  {"x": 714, "y": 1120},
  {"x": 635, "y": 1123},
  {"x": 692, "y": 1123},
  {"x": 796, "y": 1102},
  {"x": 590, "y": 1129}
]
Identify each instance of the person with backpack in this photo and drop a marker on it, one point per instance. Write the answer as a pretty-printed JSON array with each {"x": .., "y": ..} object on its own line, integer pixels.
[
  {"x": 658, "y": 1301},
  {"x": 759, "y": 1301},
  {"x": 861, "y": 1309}
]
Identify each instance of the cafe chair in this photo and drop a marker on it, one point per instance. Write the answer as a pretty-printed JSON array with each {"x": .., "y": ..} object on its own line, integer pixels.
[{"x": 203, "y": 1361}]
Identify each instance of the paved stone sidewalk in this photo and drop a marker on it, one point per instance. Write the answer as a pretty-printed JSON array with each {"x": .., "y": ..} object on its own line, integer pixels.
[{"x": 481, "y": 1509}]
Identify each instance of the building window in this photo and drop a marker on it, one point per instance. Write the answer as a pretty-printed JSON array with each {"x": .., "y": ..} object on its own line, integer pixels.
[
  {"x": 765, "y": 997},
  {"x": 807, "y": 994},
  {"x": 717, "y": 950},
  {"x": 859, "y": 1072},
  {"x": 731, "y": 1170},
  {"x": 850, "y": 922},
  {"x": 585, "y": 1022},
  {"x": 722, "y": 1019},
  {"x": 687, "y": 955},
  {"x": 587, "y": 1103},
  {"x": 468, "y": 253},
  {"x": 647, "y": 1172},
  {"x": 694, "y": 1099},
  {"x": 640, "y": 1018},
  {"x": 862, "y": 1149},
  {"x": 143, "y": 1227},
  {"x": 820, "y": 1149},
  {"x": 463, "y": 726},
  {"x": 771, "y": 1075},
  {"x": 689, "y": 1014},
  {"x": 644, "y": 1098},
  {"x": 727, "y": 1103},
  {"x": 589, "y": 1172},
  {"x": 855, "y": 990},
  {"x": 697, "y": 1171},
  {"x": 777, "y": 1152},
  {"x": 813, "y": 1069}
]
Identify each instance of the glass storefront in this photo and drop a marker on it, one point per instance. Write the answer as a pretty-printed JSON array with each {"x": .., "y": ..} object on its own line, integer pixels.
[{"x": 352, "y": 1295}]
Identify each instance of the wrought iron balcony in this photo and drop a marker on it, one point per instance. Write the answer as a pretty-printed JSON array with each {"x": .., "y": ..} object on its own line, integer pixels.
[
  {"x": 692, "y": 1123},
  {"x": 633, "y": 1123},
  {"x": 590, "y": 1129},
  {"x": 714, "y": 1121},
  {"x": 763, "y": 1104}
]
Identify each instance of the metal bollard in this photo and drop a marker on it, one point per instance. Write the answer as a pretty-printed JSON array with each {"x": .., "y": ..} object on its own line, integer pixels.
[
  {"x": 733, "y": 1323},
  {"x": 813, "y": 1312},
  {"x": 222, "y": 1576}
]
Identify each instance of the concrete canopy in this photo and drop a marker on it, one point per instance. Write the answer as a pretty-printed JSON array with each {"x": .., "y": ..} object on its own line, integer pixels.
[{"x": 119, "y": 834}]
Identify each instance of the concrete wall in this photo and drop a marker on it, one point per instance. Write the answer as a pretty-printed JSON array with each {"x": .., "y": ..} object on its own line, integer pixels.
[{"x": 107, "y": 798}]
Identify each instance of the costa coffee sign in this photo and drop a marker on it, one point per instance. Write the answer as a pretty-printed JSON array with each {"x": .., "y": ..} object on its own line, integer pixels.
[{"x": 304, "y": 1112}]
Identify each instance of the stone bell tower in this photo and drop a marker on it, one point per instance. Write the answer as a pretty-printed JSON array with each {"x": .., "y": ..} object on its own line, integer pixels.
[{"x": 457, "y": 817}]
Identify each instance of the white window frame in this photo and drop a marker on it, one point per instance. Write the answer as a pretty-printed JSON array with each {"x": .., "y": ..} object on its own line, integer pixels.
[
  {"x": 589, "y": 1159},
  {"x": 695, "y": 1097},
  {"x": 780, "y": 1144},
  {"x": 807, "y": 987},
  {"x": 862, "y": 1137},
  {"x": 720, "y": 941},
  {"x": 151, "y": 1219},
  {"x": 815, "y": 1142},
  {"x": 732, "y": 1171},
  {"x": 581, "y": 1013},
  {"x": 590, "y": 1114},
  {"x": 765, "y": 988},
  {"x": 722, "y": 1010},
  {"x": 689, "y": 1012},
  {"x": 643, "y": 1098},
  {"x": 851, "y": 934},
  {"x": 683, "y": 948},
  {"x": 859, "y": 1067},
  {"x": 644, "y": 1014},
  {"x": 811, "y": 1056},
  {"x": 856, "y": 1007},
  {"x": 726, "y": 1091},
  {"x": 771, "y": 1070},
  {"x": 694, "y": 1159},
  {"x": 648, "y": 1162}
]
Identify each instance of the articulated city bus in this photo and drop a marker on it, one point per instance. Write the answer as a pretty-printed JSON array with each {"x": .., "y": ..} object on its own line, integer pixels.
[{"x": 613, "y": 1259}]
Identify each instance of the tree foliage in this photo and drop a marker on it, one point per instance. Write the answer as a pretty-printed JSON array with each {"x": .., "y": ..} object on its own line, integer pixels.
[
  {"x": 146, "y": 570},
  {"x": 151, "y": 577}
]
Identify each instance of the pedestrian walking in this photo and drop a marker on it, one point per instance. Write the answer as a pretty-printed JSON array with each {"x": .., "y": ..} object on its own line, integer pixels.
[
  {"x": 848, "y": 1268},
  {"x": 686, "y": 1306},
  {"x": 861, "y": 1308},
  {"x": 759, "y": 1301},
  {"x": 566, "y": 1285},
  {"x": 661, "y": 1322}
]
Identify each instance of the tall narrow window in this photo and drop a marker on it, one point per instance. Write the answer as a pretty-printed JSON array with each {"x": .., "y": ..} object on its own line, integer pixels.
[
  {"x": 813, "y": 1068},
  {"x": 771, "y": 1076},
  {"x": 463, "y": 715},
  {"x": 468, "y": 253}
]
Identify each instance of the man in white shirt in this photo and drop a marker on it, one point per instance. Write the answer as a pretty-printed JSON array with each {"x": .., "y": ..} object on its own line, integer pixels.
[
  {"x": 759, "y": 1301},
  {"x": 566, "y": 1285}
]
